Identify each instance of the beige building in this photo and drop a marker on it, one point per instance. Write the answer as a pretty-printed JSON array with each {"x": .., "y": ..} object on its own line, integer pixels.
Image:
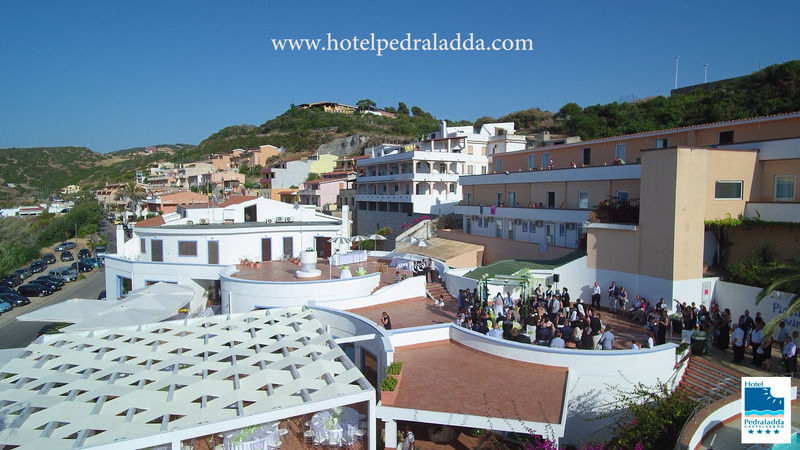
[{"x": 676, "y": 188}]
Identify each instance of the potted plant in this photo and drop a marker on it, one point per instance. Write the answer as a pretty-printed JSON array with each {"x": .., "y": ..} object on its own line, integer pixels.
[
  {"x": 395, "y": 369},
  {"x": 698, "y": 342},
  {"x": 389, "y": 390}
]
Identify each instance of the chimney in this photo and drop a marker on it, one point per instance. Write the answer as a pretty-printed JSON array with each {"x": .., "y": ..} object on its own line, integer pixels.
[{"x": 444, "y": 129}]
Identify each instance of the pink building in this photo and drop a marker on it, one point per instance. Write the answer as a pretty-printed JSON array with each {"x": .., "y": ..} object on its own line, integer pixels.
[{"x": 323, "y": 193}]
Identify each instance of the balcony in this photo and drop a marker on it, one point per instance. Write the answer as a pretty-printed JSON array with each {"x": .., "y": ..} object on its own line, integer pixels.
[
  {"x": 773, "y": 211},
  {"x": 543, "y": 214}
]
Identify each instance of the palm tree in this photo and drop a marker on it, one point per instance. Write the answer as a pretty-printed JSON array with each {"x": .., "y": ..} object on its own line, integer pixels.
[
  {"x": 132, "y": 193},
  {"x": 788, "y": 279}
]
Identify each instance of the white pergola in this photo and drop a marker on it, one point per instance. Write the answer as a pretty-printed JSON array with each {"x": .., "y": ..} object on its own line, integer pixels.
[{"x": 166, "y": 382}]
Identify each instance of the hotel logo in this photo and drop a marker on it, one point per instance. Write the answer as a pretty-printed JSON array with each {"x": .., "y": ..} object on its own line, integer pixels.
[{"x": 766, "y": 410}]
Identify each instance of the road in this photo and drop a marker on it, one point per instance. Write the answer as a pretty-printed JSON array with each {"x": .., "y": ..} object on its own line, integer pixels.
[{"x": 15, "y": 334}]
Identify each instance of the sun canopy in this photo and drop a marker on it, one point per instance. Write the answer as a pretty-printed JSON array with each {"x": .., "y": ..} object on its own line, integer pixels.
[{"x": 149, "y": 304}]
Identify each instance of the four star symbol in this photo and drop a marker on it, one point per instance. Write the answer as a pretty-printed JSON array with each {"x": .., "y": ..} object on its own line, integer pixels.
[
  {"x": 776, "y": 431},
  {"x": 767, "y": 431},
  {"x": 759, "y": 431},
  {"x": 750, "y": 431}
]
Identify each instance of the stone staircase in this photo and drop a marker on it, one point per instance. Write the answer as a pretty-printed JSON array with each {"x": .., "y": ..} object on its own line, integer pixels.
[
  {"x": 706, "y": 379},
  {"x": 434, "y": 290}
]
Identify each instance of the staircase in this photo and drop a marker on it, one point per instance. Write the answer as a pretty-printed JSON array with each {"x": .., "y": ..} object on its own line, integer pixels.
[
  {"x": 434, "y": 290},
  {"x": 705, "y": 379}
]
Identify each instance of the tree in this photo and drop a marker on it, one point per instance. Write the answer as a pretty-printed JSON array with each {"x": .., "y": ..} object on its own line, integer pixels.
[
  {"x": 402, "y": 109},
  {"x": 788, "y": 279},
  {"x": 132, "y": 193},
  {"x": 365, "y": 104}
]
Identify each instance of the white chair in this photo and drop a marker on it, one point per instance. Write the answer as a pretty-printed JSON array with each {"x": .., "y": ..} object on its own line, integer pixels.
[{"x": 335, "y": 438}]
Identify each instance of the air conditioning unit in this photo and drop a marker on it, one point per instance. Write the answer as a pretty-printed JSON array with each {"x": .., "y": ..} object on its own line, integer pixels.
[
  {"x": 204, "y": 221},
  {"x": 189, "y": 222},
  {"x": 269, "y": 220},
  {"x": 279, "y": 219},
  {"x": 289, "y": 219},
  {"x": 539, "y": 223},
  {"x": 570, "y": 226}
]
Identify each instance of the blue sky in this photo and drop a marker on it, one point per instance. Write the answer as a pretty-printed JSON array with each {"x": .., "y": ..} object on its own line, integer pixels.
[{"x": 111, "y": 75}]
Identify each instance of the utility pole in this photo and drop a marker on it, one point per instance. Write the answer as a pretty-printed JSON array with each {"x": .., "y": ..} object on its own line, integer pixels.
[
  {"x": 705, "y": 73},
  {"x": 677, "y": 58}
]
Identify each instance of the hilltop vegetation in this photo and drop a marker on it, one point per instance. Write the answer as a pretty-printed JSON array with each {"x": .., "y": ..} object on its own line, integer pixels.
[{"x": 303, "y": 130}]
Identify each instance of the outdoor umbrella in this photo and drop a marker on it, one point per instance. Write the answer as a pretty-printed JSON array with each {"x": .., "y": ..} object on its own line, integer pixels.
[
  {"x": 375, "y": 238},
  {"x": 424, "y": 243},
  {"x": 358, "y": 238},
  {"x": 338, "y": 241}
]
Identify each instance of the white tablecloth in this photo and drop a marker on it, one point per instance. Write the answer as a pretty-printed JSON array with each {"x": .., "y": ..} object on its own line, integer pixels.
[
  {"x": 354, "y": 257},
  {"x": 338, "y": 425},
  {"x": 268, "y": 434}
]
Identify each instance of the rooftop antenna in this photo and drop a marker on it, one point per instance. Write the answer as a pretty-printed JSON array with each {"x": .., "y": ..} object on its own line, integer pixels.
[
  {"x": 677, "y": 58},
  {"x": 705, "y": 73}
]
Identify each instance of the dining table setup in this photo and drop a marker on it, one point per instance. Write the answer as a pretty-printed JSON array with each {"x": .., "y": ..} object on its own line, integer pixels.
[
  {"x": 337, "y": 427},
  {"x": 259, "y": 437}
]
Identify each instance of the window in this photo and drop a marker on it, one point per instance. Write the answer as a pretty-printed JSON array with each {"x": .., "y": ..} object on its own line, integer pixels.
[
  {"x": 620, "y": 152},
  {"x": 661, "y": 143},
  {"x": 142, "y": 245},
  {"x": 622, "y": 196},
  {"x": 483, "y": 151},
  {"x": 583, "y": 200},
  {"x": 726, "y": 137},
  {"x": 524, "y": 226},
  {"x": 469, "y": 149},
  {"x": 499, "y": 198},
  {"x": 443, "y": 168},
  {"x": 551, "y": 199},
  {"x": 469, "y": 170},
  {"x": 469, "y": 198},
  {"x": 545, "y": 160},
  {"x": 497, "y": 165},
  {"x": 728, "y": 190},
  {"x": 561, "y": 229},
  {"x": 483, "y": 170},
  {"x": 187, "y": 248},
  {"x": 784, "y": 188},
  {"x": 531, "y": 161},
  {"x": 533, "y": 227},
  {"x": 587, "y": 156},
  {"x": 512, "y": 199},
  {"x": 452, "y": 188}
]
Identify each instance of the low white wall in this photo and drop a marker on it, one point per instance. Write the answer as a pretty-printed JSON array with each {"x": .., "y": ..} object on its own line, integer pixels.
[
  {"x": 455, "y": 281},
  {"x": 408, "y": 288},
  {"x": 739, "y": 297},
  {"x": 715, "y": 418},
  {"x": 240, "y": 295},
  {"x": 140, "y": 272},
  {"x": 420, "y": 335}
]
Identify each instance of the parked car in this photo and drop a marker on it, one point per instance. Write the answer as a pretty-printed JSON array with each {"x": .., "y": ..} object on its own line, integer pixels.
[
  {"x": 65, "y": 273},
  {"x": 100, "y": 249},
  {"x": 58, "y": 281},
  {"x": 23, "y": 272},
  {"x": 5, "y": 306},
  {"x": 84, "y": 253},
  {"x": 6, "y": 283},
  {"x": 69, "y": 245},
  {"x": 81, "y": 267},
  {"x": 15, "y": 299},
  {"x": 14, "y": 278},
  {"x": 47, "y": 282},
  {"x": 49, "y": 258},
  {"x": 6, "y": 289},
  {"x": 66, "y": 255},
  {"x": 94, "y": 262},
  {"x": 34, "y": 290},
  {"x": 38, "y": 266}
]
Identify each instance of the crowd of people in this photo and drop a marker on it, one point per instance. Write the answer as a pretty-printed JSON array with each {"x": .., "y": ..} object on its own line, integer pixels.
[{"x": 550, "y": 317}]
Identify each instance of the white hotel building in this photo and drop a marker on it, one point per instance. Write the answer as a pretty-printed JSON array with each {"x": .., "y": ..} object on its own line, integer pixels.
[{"x": 402, "y": 182}]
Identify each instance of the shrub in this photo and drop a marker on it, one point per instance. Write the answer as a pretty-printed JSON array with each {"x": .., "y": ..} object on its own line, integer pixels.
[
  {"x": 394, "y": 368},
  {"x": 389, "y": 384}
]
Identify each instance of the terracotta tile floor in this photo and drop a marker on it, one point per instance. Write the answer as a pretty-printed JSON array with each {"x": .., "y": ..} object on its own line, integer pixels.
[
  {"x": 497, "y": 386},
  {"x": 285, "y": 271}
]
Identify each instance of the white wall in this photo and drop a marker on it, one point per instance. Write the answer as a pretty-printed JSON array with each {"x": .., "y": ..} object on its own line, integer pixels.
[
  {"x": 240, "y": 295},
  {"x": 739, "y": 297},
  {"x": 408, "y": 288},
  {"x": 140, "y": 272}
]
